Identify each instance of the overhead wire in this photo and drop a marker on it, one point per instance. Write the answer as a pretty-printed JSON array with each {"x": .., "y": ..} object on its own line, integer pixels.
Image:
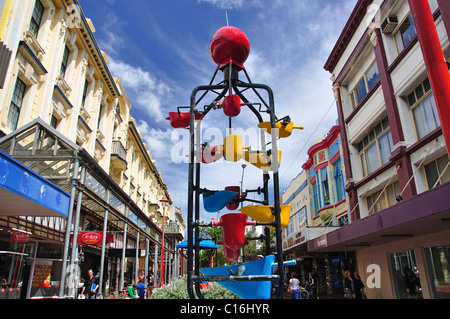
[{"x": 307, "y": 141}]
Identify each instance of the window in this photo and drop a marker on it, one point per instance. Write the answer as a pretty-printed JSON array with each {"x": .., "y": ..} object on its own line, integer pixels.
[
  {"x": 433, "y": 5},
  {"x": 437, "y": 172},
  {"x": 16, "y": 104},
  {"x": 54, "y": 122},
  {"x": 36, "y": 18},
  {"x": 100, "y": 115},
  {"x": 83, "y": 99},
  {"x": 339, "y": 180},
  {"x": 368, "y": 81},
  {"x": 438, "y": 263},
  {"x": 399, "y": 262},
  {"x": 375, "y": 148},
  {"x": 405, "y": 33},
  {"x": 316, "y": 198},
  {"x": 64, "y": 62},
  {"x": 423, "y": 108},
  {"x": 325, "y": 187},
  {"x": 381, "y": 200}
]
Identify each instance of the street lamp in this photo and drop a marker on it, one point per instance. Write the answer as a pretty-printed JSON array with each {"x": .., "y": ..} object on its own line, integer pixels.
[
  {"x": 242, "y": 179},
  {"x": 165, "y": 203}
]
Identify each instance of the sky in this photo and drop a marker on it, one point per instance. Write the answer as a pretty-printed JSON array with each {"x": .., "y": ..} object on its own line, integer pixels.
[{"x": 159, "y": 51}]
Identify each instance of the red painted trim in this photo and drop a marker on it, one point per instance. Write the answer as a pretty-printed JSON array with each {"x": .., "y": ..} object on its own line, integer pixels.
[
  {"x": 326, "y": 142},
  {"x": 335, "y": 157},
  {"x": 321, "y": 165},
  {"x": 359, "y": 12},
  {"x": 332, "y": 206},
  {"x": 333, "y": 134},
  {"x": 434, "y": 61}
]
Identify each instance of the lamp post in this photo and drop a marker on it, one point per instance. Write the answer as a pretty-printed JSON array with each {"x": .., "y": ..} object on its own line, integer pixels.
[
  {"x": 242, "y": 179},
  {"x": 165, "y": 203}
]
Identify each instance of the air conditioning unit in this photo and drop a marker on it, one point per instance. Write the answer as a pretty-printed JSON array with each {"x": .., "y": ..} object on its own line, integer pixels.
[{"x": 389, "y": 24}]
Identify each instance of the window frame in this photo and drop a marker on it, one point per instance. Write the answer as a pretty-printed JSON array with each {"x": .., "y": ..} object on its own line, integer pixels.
[
  {"x": 64, "y": 61},
  {"x": 418, "y": 103},
  {"x": 397, "y": 30},
  {"x": 435, "y": 161},
  {"x": 362, "y": 151},
  {"x": 384, "y": 196},
  {"x": 354, "y": 95},
  {"x": 339, "y": 180},
  {"x": 14, "y": 104},
  {"x": 35, "y": 25}
]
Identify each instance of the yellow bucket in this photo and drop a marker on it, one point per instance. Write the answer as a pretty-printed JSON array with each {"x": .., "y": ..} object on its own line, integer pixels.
[
  {"x": 282, "y": 131},
  {"x": 263, "y": 214},
  {"x": 261, "y": 160},
  {"x": 232, "y": 148}
]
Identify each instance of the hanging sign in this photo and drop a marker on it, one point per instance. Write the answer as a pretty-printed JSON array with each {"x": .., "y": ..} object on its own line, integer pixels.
[
  {"x": 92, "y": 238},
  {"x": 19, "y": 237}
]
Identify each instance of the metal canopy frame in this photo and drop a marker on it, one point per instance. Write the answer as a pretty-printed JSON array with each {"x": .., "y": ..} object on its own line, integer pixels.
[
  {"x": 230, "y": 84},
  {"x": 42, "y": 148}
]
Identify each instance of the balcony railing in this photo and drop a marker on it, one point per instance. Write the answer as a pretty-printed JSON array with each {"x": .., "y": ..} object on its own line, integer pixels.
[{"x": 119, "y": 152}]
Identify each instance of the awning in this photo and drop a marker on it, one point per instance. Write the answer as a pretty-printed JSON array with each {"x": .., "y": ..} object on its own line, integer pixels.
[
  {"x": 204, "y": 244},
  {"x": 425, "y": 213},
  {"x": 25, "y": 193}
]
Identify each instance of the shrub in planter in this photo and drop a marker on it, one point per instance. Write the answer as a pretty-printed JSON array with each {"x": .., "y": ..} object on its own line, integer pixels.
[{"x": 177, "y": 290}]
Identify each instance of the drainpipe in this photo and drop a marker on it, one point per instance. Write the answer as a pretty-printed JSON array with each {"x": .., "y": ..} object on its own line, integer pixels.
[{"x": 434, "y": 61}]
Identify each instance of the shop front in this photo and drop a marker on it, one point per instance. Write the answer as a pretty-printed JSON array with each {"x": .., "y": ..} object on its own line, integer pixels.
[
  {"x": 40, "y": 217},
  {"x": 402, "y": 252},
  {"x": 327, "y": 268},
  {"x": 30, "y": 265}
]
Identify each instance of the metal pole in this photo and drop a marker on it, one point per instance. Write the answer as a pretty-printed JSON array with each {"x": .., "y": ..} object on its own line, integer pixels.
[
  {"x": 161, "y": 283},
  {"x": 102, "y": 260},
  {"x": 434, "y": 61},
  {"x": 74, "y": 257},
  {"x": 33, "y": 264},
  {"x": 74, "y": 181},
  {"x": 122, "y": 262},
  {"x": 136, "y": 266},
  {"x": 147, "y": 248},
  {"x": 155, "y": 266}
]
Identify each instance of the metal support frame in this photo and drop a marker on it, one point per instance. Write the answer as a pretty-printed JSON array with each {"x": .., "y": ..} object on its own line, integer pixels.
[{"x": 231, "y": 83}]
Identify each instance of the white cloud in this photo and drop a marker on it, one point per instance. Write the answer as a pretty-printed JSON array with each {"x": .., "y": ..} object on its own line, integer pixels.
[
  {"x": 147, "y": 90},
  {"x": 231, "y": 4}
]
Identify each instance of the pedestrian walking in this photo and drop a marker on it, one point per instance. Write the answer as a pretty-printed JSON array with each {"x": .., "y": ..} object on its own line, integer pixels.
[
  {"x": 150, "y": 284},
  {"x": 294, "y": 286},
  {"x": 359, "y": 286},
  {"x": 311, "y": 285},
  {"x": 410, "y": 281},
  {"x": 349, "y": 284},
  {"x": 91, "y": 285}
]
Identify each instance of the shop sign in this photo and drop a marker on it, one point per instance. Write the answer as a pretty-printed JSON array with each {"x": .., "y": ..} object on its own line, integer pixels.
[
  {"x": 19, "y": 237},
  {"x": 92, "y": 238}
]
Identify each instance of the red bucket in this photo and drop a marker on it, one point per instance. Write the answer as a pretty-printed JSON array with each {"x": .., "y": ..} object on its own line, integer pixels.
[
  {"x": 182, "y": 119},
  {"x": 231, "y": 254},
  {"x": 237, "y": 189},
  {"x": 232, "y": 105},
  {"x": 233, "y": 230}
]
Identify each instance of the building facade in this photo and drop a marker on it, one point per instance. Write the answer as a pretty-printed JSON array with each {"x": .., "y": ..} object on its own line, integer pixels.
[
  {"x": 67, "y": 120},
  {"x": 394, "y": 151},
  {"x": 319, "y": 205}
]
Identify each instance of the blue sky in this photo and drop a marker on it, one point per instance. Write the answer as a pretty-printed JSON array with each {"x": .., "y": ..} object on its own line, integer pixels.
[{"x": 159, "y": 50}]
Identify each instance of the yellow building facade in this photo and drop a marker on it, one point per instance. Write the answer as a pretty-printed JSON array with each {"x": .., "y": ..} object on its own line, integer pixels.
[{"x": 56, "y": 81}]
